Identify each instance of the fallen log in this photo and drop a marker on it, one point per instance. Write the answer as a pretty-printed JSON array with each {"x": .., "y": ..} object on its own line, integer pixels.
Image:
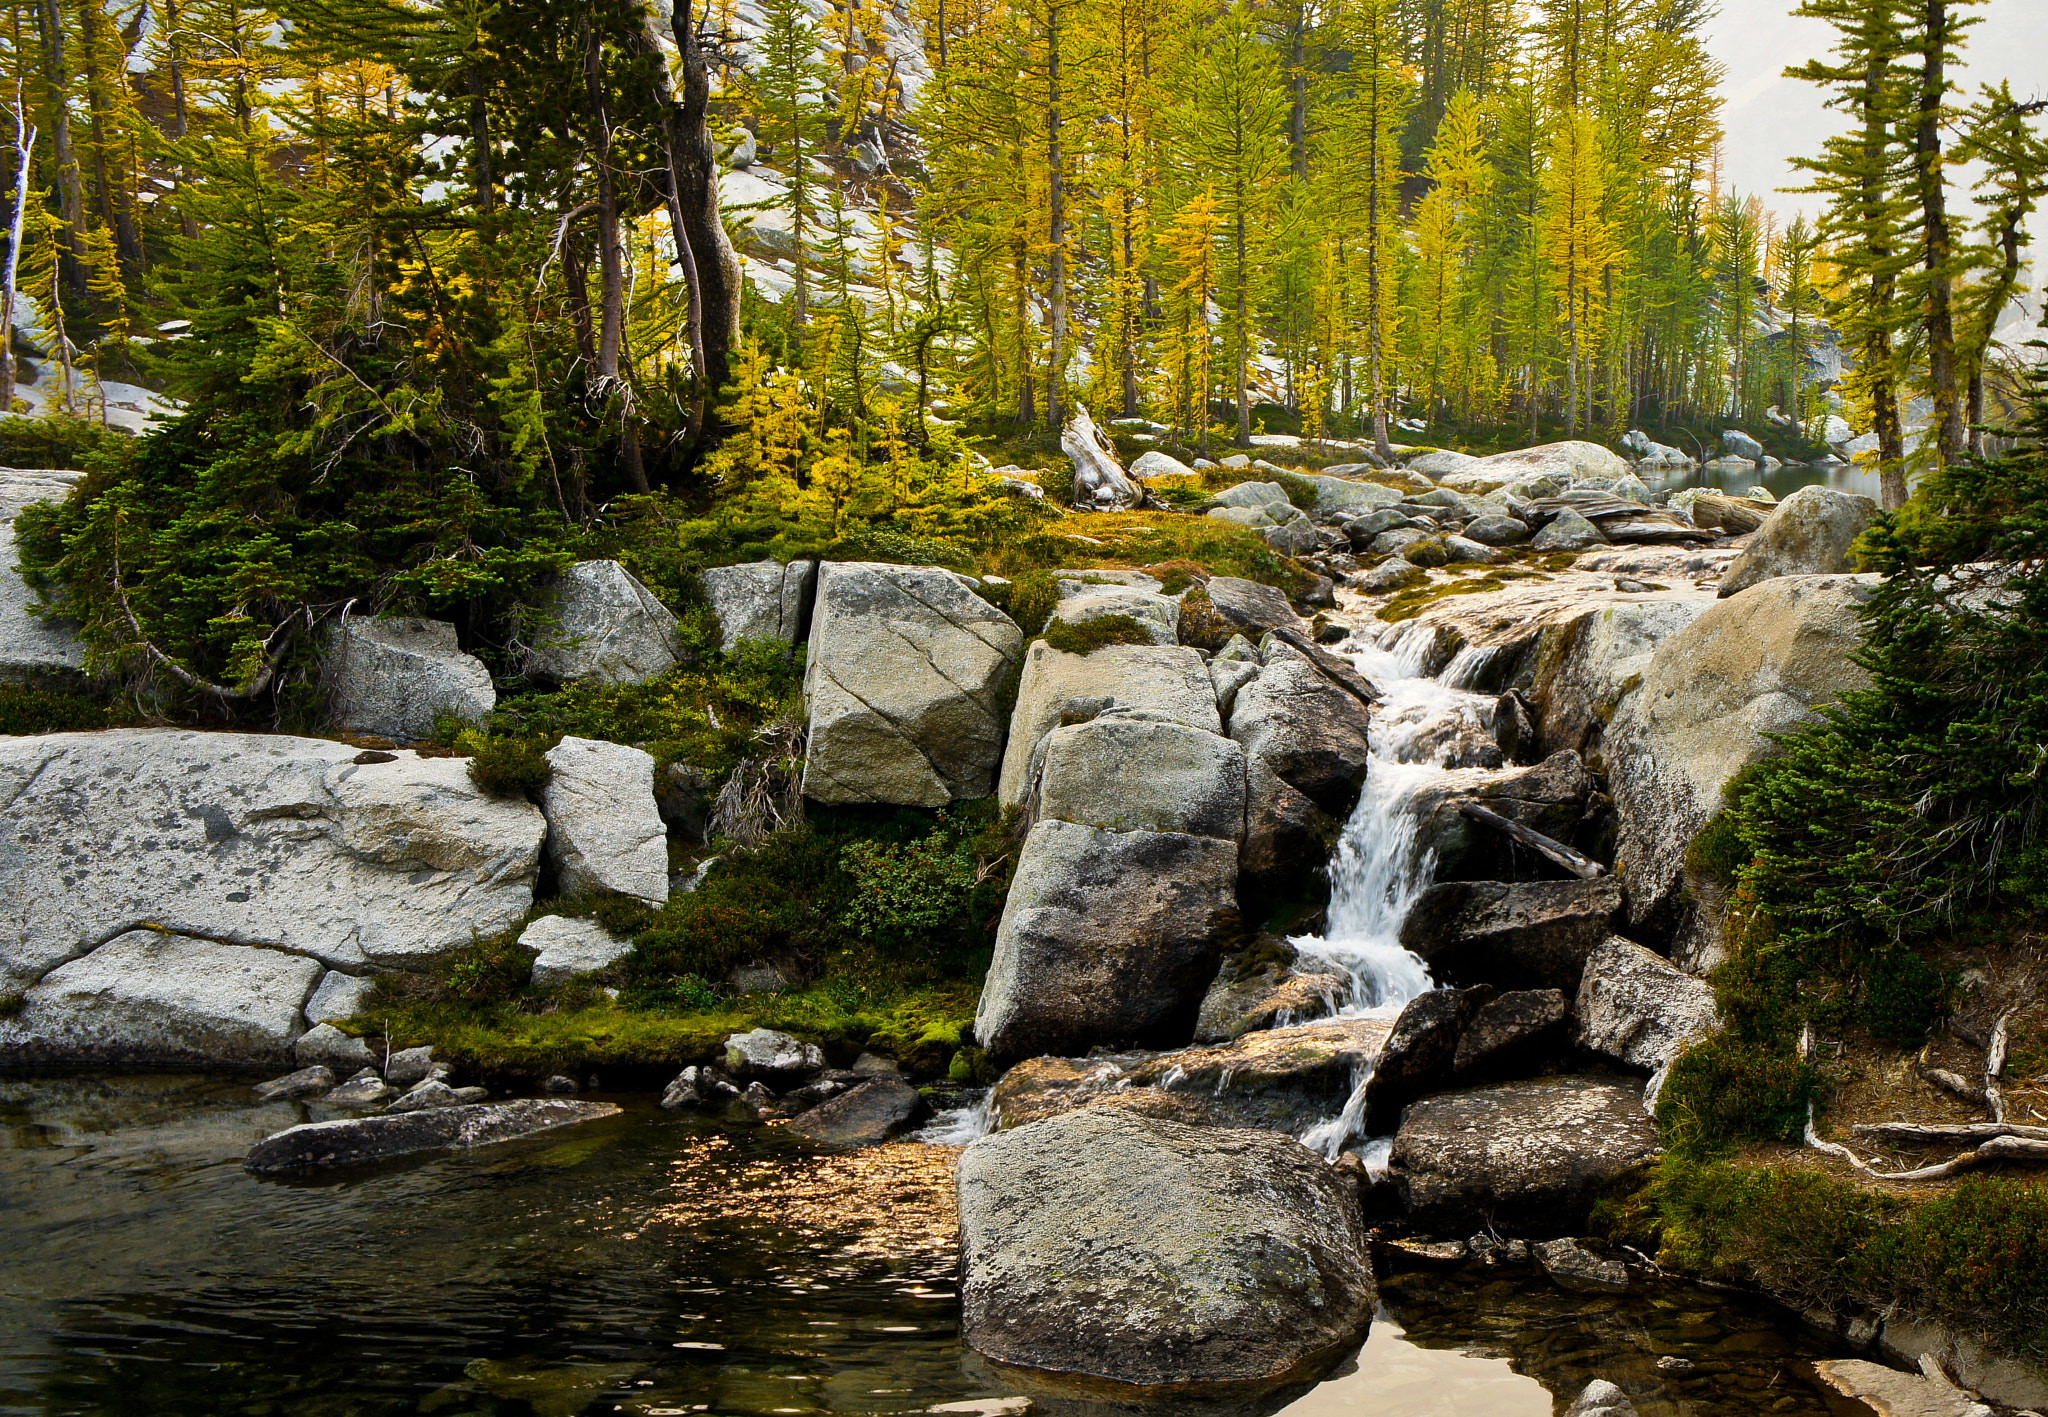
[
  {"x": 1584, "y": 867},
  {"x": 1944, "y": 1133}
]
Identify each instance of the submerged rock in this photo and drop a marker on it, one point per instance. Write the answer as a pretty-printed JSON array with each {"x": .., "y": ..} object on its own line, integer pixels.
[
  {"x": 1105, "y": 1246},
  {"x": 1527, "y": 1158},
  {"x": 354, "y": 1140},
  {"x": 1857, "y": 1386},
  {"x": 1571, "y": 1266},
  {"x": 1601, "y": 1399},
  {"x": 862, "y": 1116}
]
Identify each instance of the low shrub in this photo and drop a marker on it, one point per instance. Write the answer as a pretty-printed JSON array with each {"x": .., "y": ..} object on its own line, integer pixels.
[
  {"x": 50, "y": 711},
  {"x": 1975, "y": 1258},
  {"x": 1091, "y": 635},
  {"x": 1726, "y": 1090},
  {"x": 509, "y": 767}
]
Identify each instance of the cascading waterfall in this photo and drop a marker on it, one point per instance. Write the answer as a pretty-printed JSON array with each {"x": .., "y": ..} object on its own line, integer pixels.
[{"x": 1380, "y": 867}]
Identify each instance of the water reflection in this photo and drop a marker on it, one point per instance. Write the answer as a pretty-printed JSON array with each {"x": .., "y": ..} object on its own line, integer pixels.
[
  {"x": 645, "y": 1264},
  {"x": 1840, "y": 477}
]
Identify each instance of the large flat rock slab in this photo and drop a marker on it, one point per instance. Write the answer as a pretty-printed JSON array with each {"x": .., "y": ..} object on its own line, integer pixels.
[
  {"x": 147, "y": 998},
  {"x": 353, "y": 1141},
  {"x": 251, "y": 839}
]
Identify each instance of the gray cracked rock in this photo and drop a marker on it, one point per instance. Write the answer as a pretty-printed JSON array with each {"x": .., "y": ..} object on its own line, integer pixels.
[
  {"x": 1756, "y": 663},
  {"x": 1251, "y": 607},
  {"x": 1239, "y": 1259},
  {"x": 568, "y": 947},
  {"x": 339, "y": 996},
  {"x": 147, "y": 997},
  {"x": 760, "y": 600},
  {"x": 410, "y": 1065},
  {"x": 1107, "y": 937},
  {"x": 327, "y": 1045},
  {"x": 1568, "y": 531},
  {"x": 1638, "y": 1008},
  {"x": 597, "y": 623},
  {"x": 1810, "y": 533},
  {"x": 1311, "y": 731},
  {"x": 1527, "y": 1158},
  {"x": 395, "y": 675},
  {"x": 251, "y": 839},
  {"x": 605, "y": 832},
  {"x": 765, "y": 1053},
  {"x": 903, "y": 684},
  {"x": 356, "y": 1140},
  {"x": 1163, "y": 679},
  {"x": 1124, "y": 773}
]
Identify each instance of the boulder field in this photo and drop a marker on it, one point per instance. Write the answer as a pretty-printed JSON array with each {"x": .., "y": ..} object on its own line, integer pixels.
[{"x": 1156, "y": 1206}]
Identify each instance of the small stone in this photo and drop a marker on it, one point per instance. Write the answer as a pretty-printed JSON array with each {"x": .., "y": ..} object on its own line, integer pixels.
[
  {"x": 1389, "y": 575},
  {"x": 431, "y": 1093},
  {"x": 329, "y": 1046},
  {"x": 1601, "y": 1399},
  {"x": 758, "y": 1097},
  {"x": 467, "y": 1095},
  {"x": 306, "y": 1082},
  {"x": 682, "y": 1093},
  {"x": 1431, "y": 1251},
  {"x": 1632, "y": 587},
  {"x": 874, "y": 1065},
  {"x": 361, "y": 1092},
  {"x": 558, "y": 1085},
  {"x": 1579, "y": 1270},
  {"x": 1672, "y": 1363},
  {"x": 409, "y": 1065},
  {"x": 763, "y": 1052}
]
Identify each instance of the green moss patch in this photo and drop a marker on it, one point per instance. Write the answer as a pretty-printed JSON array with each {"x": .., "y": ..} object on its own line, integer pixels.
[{"x": 1091, "y": 635}]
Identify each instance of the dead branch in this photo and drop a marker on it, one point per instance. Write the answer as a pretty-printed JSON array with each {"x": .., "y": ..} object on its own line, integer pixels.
[{"x": 1584, "y": 867}]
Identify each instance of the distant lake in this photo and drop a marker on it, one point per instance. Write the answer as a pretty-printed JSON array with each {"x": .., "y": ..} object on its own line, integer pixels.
[{"x": 1782, "y": 483}]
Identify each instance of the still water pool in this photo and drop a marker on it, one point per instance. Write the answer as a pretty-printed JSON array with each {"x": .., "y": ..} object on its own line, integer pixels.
[{"x": 648, "y": 1264}]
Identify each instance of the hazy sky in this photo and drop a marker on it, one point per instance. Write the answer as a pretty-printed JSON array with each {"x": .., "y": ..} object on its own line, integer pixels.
[{"x": 1770, "y": 118}]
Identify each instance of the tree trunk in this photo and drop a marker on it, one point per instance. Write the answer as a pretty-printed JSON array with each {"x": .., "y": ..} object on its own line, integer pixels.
[
  {"x": 693, "y": 167},
  {"x": 110, "y": 198},
  {"x": 1941, "y": 333},
  {"x": 24, "y": 151},
  {"x": 1056, "y": 219},
  {"x": 1243, "y": 341},
  {"x": 70, "y": 196},
  {"x": 611, "y": 272}
]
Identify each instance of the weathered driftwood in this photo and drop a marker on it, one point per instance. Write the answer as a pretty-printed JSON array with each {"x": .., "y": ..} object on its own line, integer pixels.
[
  {"x": 1100, "y": 482},
  {"x": 1584, "y": 867},
  {"x": 1940, "y": 1133}
]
